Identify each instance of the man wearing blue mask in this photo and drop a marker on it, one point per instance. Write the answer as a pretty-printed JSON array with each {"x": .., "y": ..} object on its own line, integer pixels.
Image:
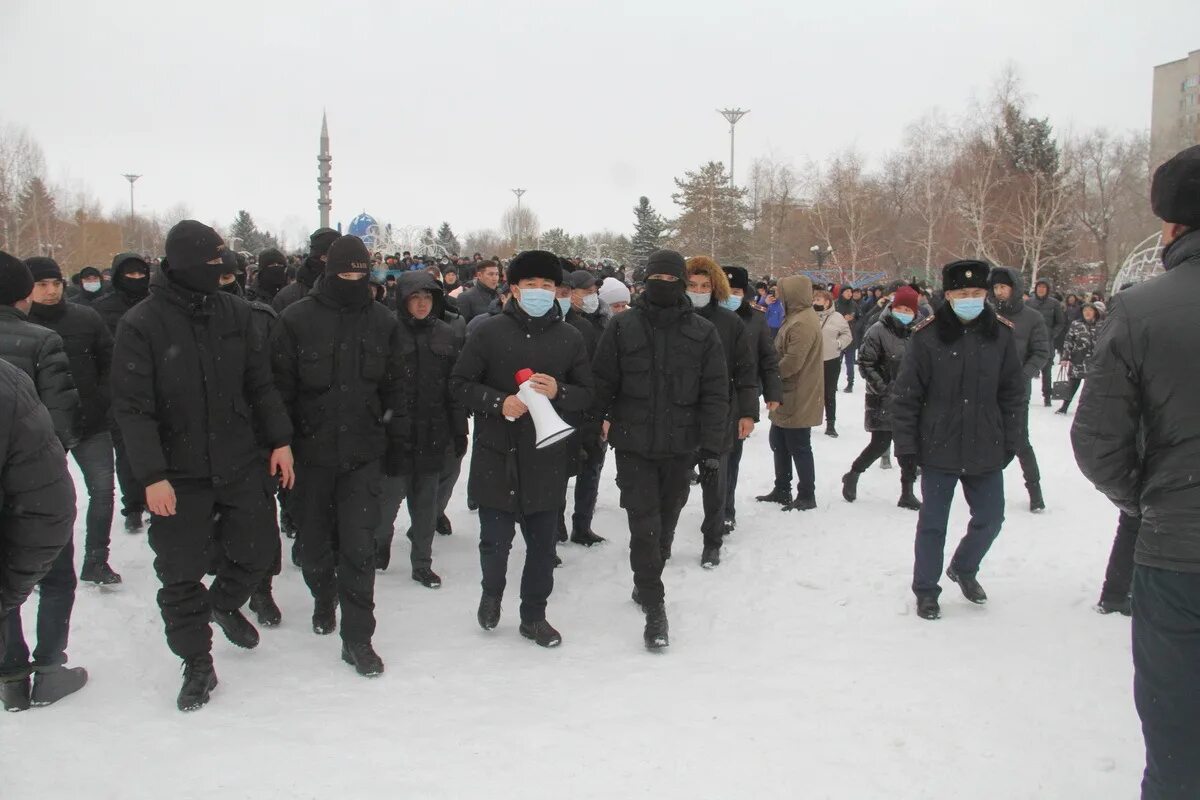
[
  {"x": 512, "y": 480},
  {"x": 957, "y": 413}
]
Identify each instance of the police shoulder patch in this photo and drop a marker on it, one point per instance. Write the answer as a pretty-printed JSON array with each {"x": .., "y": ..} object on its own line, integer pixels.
[
  {"x": 925, "y": 323},
  {"x": 1006, "y": 321}
]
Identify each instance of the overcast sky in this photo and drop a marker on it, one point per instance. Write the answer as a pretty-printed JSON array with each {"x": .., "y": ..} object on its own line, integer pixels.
[{"x": 438, "y": 109}]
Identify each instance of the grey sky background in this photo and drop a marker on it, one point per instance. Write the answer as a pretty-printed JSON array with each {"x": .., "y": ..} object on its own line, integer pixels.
[{"x": 437, "y": 109}]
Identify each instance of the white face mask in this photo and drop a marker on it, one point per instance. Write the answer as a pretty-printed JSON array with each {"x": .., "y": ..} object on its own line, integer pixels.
[
  {"x": 700, "y": 299},
  {"x": 590, "y": 303},
  {"x": 91, "y": 286}
]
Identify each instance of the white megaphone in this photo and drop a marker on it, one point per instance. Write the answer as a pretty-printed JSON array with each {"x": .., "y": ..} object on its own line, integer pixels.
[{"x": 548, "y": 426}]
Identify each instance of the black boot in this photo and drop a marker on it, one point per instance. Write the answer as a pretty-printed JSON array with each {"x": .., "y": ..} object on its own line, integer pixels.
[
  {"x": 264, "y": 606},
  {"x": 850, "y": 486},
  {"x": 730, "y": 525},
  {"x": 587, "y": 537},
  {"x": 562, "y": 528},
  {"x": 831, "y": 431},
  {"x": 1036, "y": 501},
  {"x": 927, "y": 607},
  {"x": 1046, "y": 402},
  {"x": 236, "y": 627},
  {"x": 849, "y": 388},
  {"x": 489, "y": 612},
  {"x": 383, "y": 555},
  {"x": 970, "y": 587},
  {"x": 363, "y": 658},
  {"x": 907, "y": 498},
  {"x": 133, "y": 522},
  {"x": 781, "y": 496},
  {"x": 711, "y": 557},
  {"x": 443, "y": 527},
  {"x": 656, "y": 635},
  {"x": 1115, "y": 605},
  {"x": 96, "y": 569},
  {"x": 324, "y": 618},
  {"x": 287, "y": 524},
  {"x": 541, "y": 632},
  {"x": 806, "y": 502},
  {"x": 636, "y": 596},
  {"x": 427, "y": 578},
  {"x": 51, "y": 684},
  {"x": 14, "y": 693},
  {"x": 199, "y": 679},
  {"x": 1062, "y": 411}
]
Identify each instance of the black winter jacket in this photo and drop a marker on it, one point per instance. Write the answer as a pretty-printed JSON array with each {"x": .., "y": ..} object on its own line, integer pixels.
[
  {"x": 306, "y": 278},
  {"x": 113, "y": 304},
  {"x": 37, "y": 497},
  {"x": 89, "y": 347},
  {"x": 591, "y": 427},
  {"x": 338, "y": 371},
  {"x": 1052, "y": 312},
  {"x": 959, "y": 402},
  {"x": 1137, "y": 431},
  {"x": 192, "y": 387},
  {"x": 475, "y": 301},
  {"x": 766, "y": 357},
  {"x": 1030, "y": 334},
  {"x": 662, "y": 383},
  {"x": 39, "y": 353},
  {"x": 507, "y": 471},
  {"x": 429, "y": 349},
  {"x": 880, "y": 357},
  {"x": 739, "y": 367}
]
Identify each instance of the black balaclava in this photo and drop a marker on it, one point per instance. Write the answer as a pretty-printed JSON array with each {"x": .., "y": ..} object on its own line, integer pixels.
[
  {"x": 347, "y": 254},
  {"x": 133, "y": 289},
  {"x": 665, "y": 293},
  {"x": 190, "y": 246}
]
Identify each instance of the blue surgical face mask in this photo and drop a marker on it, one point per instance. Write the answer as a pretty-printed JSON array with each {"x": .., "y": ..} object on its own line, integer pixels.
[
  {"x": 967, "y": 308},
  {"x": 733, "y": 302},
  {"x": 536, "y": 302},
  {"x": 590, "y": 303},
  {"x": 564, "y": 305},
  {"x": 700, "y": 299},
  {"x": 903, "y": 317}
]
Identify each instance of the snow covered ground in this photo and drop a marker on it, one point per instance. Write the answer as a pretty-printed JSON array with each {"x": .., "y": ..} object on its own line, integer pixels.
[{"x": 798, "y": 669}]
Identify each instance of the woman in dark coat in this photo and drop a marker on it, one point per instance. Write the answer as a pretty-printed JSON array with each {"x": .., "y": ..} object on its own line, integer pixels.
[{"x": 1077, "y": 350}]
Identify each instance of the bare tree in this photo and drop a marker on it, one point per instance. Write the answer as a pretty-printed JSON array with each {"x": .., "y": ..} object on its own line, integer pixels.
[
  {"x": 21, "y": 161},
  {"x": 846, "y": 212},
  {"x": 522, "y": 230},
  {"x": 1041, "y": 205},
  {"x": 930, "y": 154}
]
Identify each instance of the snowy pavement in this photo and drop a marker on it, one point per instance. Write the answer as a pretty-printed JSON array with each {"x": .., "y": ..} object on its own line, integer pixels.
[{"x": 797, "y": 669}]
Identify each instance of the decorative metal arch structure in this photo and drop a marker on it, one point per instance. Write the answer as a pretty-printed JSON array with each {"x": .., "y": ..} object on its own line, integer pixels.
[
  {"x": 1142, "y": 264},
  {"x": 388, "y": 239}
]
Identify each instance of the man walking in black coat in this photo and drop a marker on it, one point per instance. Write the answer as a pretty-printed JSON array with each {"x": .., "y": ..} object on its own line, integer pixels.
[
  {"x": 193, "y": 394},
  {"x": 476, "y": 300},
  {"x": 1056, "y": 325},
  {"x": 662, "y": 384},
  {"x": 336, "y": 357},
  {"x": 309, "y": 272},
  {"x": 436, "y": 424},
  {"x": 130, "y": 286},
  {"x": 512, "y": 479},
  {"x": 956, "y": 413},
  {"x": 88, "y": 345},
  {"x": 36, "y": 519},
  {"x": 1137, "y": 438}
]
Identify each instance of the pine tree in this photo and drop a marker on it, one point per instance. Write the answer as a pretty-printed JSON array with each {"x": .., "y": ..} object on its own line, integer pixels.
[
  {"x": 447, "y": 239},
  {"x": 36, "y": 218},
  {"x": 557, "y": 241},
  {"x": 244, "y": 235},
  {"x": 648, "y": 229},
  {"x": 713, "y": 215}
]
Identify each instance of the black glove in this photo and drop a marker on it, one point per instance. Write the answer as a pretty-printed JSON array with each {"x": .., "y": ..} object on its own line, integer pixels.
[
  {"x": 710, "y": 467},
  {"x": 908, "y": 463},
  {"x": 460, "y": 446}
]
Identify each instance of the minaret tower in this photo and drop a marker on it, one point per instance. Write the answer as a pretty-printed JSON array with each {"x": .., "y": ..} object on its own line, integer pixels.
[{"x": 324, "y": 160}]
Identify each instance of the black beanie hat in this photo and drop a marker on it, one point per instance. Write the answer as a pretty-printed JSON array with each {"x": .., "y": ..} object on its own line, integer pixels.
[
  {"x": 666, "y": 262},
  {"x": 43, "y": 269},
  {"x": 270, "y": 257},
  {"x": 1175, "y": 191},
  {"x": 347, "y": 254},
  {"x": 89, "y": 272},
  {"x": 738, "y": 277},
  {"x": 191, "y": 244},
  {"x": 321, "y": 240},
  {"x": 535, "y": 264},
  {"x": 15, "y": 281},
  {"x": 1001, "y": 276},
  {"x": 965, "y": 274}
]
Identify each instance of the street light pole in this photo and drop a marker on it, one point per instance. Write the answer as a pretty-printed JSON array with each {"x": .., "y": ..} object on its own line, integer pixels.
[
  {"x": 131, "y": 178},
  {"x": 732, "y": 115},
  {"x": 518, "y": 193}
]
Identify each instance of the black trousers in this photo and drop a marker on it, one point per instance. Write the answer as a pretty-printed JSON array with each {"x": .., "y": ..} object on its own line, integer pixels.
[
  {"x": 1118, "y": 578},
  {"x": 337, "y": 513},
  {"x": 94, "y": 455},
  {"x": 848, "y": 355},
  {"x": 1047, "y": 382},
  {"x": 879, "y": 446},
  {"x": 421, "y": 492},
  {"x": 793, "y": 445},
  {"x": 1166, "y": 679},
  {"x": 237, "y": 520},
  {"x": 1075, "y": 384},
  {"x": 447, "y": 481},
  {"x": 732, "y": 468},
  {"x": 833, "y": 369},
  {"x": 587, "y": 485},
  {"x": 133, "y": 494},
  {"x": 653, "y": 492},
  {"x": 1026, "y": 456},
  {"x": 496, "y": 532},
  {"x": 713, "y": 493},
  {"x": 56, "y": 599}
]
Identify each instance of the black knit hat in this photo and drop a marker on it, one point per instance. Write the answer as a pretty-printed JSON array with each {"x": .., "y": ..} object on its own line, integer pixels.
[
  {"x": 89, "y": 272},
  {"x": 321, "y": 240},
  {"x": 347, "y": 254},
  {"x": 1175, "y": 191},
  {"x": 270, "y": 257},
  {"x": 965, "y": 274},
  {"x": 738, "y": 277},
  {"x": 1001, "y": 276},
  {"x": 535, "y": 264},
  {"x": 666, "y": 262},
  {"x": 44, "y": 269},
  {"x": 16, "y": 283},
  {"x": 191, "y": 244}
]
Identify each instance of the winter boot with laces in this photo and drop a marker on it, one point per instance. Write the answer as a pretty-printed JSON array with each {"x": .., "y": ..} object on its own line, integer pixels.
[
  {"x": 363, "y": 658},
  {"x": 541, "y": 632},
  {"x": 908, "y": 499},
  {"x": 850, "y": 486},
  {"x": 199, "y": 679},
  {"x": 236, "y": 627},
  {"x": 489, "y": 612},
  {"x": 96, "y": 569},
  {"x": 781, "y": 496},
  {"x": 656, "y": 635},
  {"x": 51, "y": 684},
  {"x": 264, "y": 606}
]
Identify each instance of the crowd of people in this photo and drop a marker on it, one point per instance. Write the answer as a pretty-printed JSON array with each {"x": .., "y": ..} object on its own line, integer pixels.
[{"x": 236, "y": 398}]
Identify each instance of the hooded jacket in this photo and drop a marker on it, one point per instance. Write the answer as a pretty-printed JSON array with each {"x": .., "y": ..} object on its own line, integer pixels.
[
  {"x": 1052, "y": 312},
  {"x": 1030, "y": 334},
  {"x": 766, "y": 358},
  {"x": 113, "y": 304},
  {"x": 306, "y": 278},
  {"x": 40, "y": 354},
  {"x": 801, "y": 366}
]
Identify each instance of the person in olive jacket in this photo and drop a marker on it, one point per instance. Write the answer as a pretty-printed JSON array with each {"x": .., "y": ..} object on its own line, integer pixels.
[
  {"x": 957, "y": 413},
  {"x": 512, "y": 480},
  {"x": 661, "y": 382},
  {"x": 88, "y": 345},
  {"x": 437, "y": 424},
  {"x": 1136, "y": 437},
  {"x": 194, "y": 396},
  {"x": 36, "y": 520},
  {"x": 336, "y": 356}
]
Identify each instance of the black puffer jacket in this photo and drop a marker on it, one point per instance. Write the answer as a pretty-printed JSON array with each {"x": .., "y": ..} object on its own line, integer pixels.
[
  {"x": 591, "y": 328},
  {"x": 766, "y": 357},
  {"x": 89, "y": 348},
  {"x": 429, "y": 349},
  {"x": 1052, "y": 312},
  {"x": 507, "y": 471},
  {"x": 306, "y": 278},
  {"x": 39, "y": 353},
  {"x": 37, "y": 497},
  {"x": 475, "y": 301},
  {"x": 1137, "y": 431},
  {"x": 958, "y": 404},
  {"x": 339, "y": 373},
  {"x": 192, "y": 387},
  {"x": 739, "y": 367},
  {"x": 661, "y": 381},
  {"x": 113, "y": 305},
  {"x": 1030, "y": 334},
  {"x": 879, "y": 359},
  {"x": 1081, "y": 343}
]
